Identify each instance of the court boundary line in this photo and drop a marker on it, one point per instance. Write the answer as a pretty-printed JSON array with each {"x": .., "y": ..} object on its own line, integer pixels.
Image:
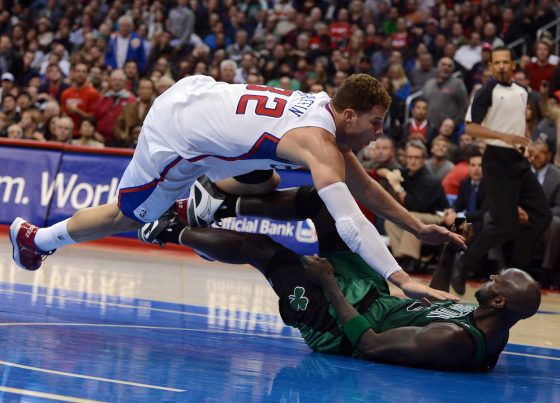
[
  {"x": 52, "y": 396},
  {"x": 148, "y": 327},
  {"x": 544, "y": 357},
  {"x": 164, "y": 310},
  {"x": 94, "y": 378}
]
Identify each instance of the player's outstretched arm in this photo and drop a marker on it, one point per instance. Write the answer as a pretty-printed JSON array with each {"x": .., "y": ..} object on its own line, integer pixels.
[{"x": 372, "y": 195}]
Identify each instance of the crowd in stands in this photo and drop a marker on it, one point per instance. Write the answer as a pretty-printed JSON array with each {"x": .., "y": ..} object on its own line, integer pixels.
[{"x": 87, "y": 72}]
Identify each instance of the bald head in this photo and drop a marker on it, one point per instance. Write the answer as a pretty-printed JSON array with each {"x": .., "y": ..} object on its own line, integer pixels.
[{"x": 513, "y": 292}]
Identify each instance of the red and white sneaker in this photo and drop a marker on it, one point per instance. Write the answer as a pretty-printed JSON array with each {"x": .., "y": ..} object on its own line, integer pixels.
[{"x": 25, "y": 253}]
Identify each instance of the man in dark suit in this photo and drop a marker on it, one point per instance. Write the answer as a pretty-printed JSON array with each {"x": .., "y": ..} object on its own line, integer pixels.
[
  {"x": 549, "y": 177},
  {"x": 470, "y": 200}
]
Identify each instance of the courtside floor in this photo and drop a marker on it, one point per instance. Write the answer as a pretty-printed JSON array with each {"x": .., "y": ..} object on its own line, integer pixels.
[{"x": 98, "y": 323}]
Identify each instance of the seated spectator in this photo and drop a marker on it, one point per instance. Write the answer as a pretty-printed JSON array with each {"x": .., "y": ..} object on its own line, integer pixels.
[
  {"x": 28, "y": 122},
  {"x": 110, "y": 106},
  {"x": 7, "y": 84},
  {"x": 460, "y": 171},
  {"x": 163, "y": 84},
  {"x": 439, "y": 164},
  {"x": 549, "y": 178},
  {"x": 15, "y": 131},
  {"x": 63, "y": 130},
  {"x": 9, "y": 108},
  {"x": 135, "y": 113},
  {"x": 470, "y": 202},
  {"x": 447, "y": 130},
  {"x": 401, "y": 85},
  {"x": 236, "y": 50},
  {"x": 420, "y": 193},
  {"x": 87, "y": 134},
  {"x": 469, "y": 54},
  {"x": 133, "y": 133},
  {"x": 228, "y": 69},
  {"x": 418, "y": 126}
]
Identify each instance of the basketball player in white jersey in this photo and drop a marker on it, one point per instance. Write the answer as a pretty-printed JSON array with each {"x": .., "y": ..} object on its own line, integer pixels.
[{"x": 200, "y": 126}]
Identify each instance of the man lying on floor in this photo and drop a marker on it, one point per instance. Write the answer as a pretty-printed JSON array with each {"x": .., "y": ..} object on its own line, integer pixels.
[{"x": 341, "y": 306}]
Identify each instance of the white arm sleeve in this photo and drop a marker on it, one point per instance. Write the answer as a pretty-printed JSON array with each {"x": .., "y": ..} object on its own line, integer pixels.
[{"x": 354, "y": 228}]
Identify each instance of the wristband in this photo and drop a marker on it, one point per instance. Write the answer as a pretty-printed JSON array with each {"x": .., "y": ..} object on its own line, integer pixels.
[{"x": 355, "y": 327}]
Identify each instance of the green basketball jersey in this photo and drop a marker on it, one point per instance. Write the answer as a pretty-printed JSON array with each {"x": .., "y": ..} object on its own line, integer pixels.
[{"x": 356, "y": 280}]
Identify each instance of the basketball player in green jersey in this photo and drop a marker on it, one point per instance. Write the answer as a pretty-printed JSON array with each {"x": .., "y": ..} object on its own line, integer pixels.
[{"x": 343, "y": 307}]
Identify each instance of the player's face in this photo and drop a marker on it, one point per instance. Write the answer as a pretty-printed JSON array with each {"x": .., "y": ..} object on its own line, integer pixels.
[{"x": 365, "y": 127}]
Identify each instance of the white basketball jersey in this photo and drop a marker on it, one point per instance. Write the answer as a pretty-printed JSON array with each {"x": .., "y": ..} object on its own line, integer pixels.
[{"x": 231, "y": 129}]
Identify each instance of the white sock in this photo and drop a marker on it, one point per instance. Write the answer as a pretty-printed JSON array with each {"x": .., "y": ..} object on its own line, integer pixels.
[{"x": 53, "y": 237}]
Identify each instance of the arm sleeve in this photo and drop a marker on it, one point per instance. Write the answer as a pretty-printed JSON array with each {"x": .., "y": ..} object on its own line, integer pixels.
[{"x": 357, "y": 232}]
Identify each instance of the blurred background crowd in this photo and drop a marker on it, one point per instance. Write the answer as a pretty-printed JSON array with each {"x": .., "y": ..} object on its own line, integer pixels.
[{"x": 87, "y": 72}]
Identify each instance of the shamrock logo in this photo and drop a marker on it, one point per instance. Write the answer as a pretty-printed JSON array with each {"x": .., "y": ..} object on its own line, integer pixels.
[{"x": 297, "y": 300}]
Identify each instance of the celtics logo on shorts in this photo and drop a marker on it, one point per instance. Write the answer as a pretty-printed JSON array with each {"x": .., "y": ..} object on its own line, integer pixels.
[{"x": 297, "y": 300}]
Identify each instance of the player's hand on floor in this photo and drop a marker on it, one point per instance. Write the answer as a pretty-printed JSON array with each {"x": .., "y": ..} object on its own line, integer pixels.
[
  {"x": 436, "y": 234},
  {"x": 425, "y": 294},
  {"x": 318, "y": 270}
]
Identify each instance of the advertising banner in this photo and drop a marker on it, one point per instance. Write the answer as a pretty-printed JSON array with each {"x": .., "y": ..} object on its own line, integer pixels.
[{"x": 47, "y": 185}]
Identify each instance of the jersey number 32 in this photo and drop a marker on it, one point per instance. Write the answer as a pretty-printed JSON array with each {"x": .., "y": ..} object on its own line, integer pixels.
[{"x": 261, "y": 101}]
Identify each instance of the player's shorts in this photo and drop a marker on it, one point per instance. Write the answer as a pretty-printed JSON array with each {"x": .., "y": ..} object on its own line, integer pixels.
[{"x": 153, "y": 181}]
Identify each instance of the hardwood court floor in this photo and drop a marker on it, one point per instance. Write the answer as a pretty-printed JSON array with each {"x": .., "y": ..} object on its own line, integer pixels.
[{"x": 100, "y": 323}]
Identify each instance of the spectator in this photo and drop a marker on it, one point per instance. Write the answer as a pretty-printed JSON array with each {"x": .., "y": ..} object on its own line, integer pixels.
[
  {"x": 10, "y": 59},
  {"x": 439, "y": 165},
  {"x": 109, "y": 107},
  {"x": 447, "y": 130},
  {"x": 87, "y": 134},
  {"x": 470, "y": 202},
  {"x": 381, "y": 59},
  {"x": 132, "y": 75},
  {"x": 15, "y": 131},
  {"x": 461, "y": 169},
  {"x": 80, "y": 99},
  {"x": 180, "y": 23},
  {"x": 236, "y": 50},
  {"x": 420, "y": 193},
  {"x": 64, "y": 128},
  {"x": 9, "y": 108},
  {"x": 54, "y": 86},
  {"x": 401, "y": 85},
  {"x": 489, "y": 35},
  {"x": 133, "y": 134},
  {"x": 422, "y": 71},
  {"x": 418, "y": 126},
  {"x": 541, "y": 69},
  {"x": 228, "y": 70},
  {"x": 446, "y": 95},
  {"x": 549, "y": 178},
  {"x": 125, "y": 45},
  {"x": 248, "y": 61},
  {"x": 469, "y": 54},
  {"x": 7, "y": 84},
  {"x": 135, "y": 113},
  {"x": 163, "y": 84}
]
